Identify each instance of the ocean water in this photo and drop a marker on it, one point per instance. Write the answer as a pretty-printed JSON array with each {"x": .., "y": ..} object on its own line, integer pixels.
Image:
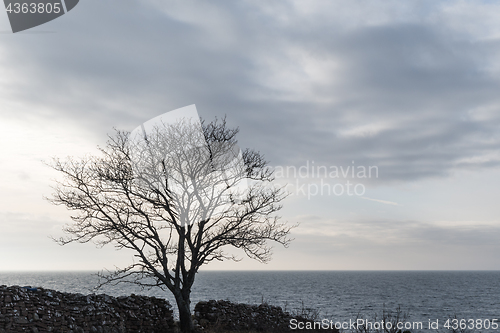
[{"x": 337, "y": 295}]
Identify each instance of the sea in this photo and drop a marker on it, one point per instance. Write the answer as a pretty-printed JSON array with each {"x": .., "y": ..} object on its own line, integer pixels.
[{"x": 337, "y": 297}]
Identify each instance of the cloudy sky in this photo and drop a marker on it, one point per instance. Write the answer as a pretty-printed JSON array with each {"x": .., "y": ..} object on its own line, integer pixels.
[{"x": 411, "y": 88}]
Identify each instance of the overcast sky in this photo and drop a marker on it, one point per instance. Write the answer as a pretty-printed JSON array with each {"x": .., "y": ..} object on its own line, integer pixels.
[{"x": 409, "y": 87}]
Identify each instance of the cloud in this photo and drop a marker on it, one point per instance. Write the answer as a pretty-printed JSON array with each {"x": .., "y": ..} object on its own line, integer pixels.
[
  {"x": 407, "y": 94},
  {"x": 411, "y": 88},
  {"x": 381, "y": 201},
  {"x": 394, "y": 232},
  {"x": 396, "y": 244}
]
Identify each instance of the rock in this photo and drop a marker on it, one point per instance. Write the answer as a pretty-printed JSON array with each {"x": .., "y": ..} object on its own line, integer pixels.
[
  {"x": 21, "y": 320},
  {"x": 224, "y": 315},
  {"x": 51, "y": 311}
]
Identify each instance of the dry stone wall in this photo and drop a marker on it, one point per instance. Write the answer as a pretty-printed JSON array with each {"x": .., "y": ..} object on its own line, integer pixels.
[
  {"x": 42, "y": 310},
  {"x": 226, "y": 316}
]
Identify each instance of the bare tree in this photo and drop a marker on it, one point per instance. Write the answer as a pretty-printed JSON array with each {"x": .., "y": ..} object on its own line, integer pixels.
[{"x": 179, "y": 198}]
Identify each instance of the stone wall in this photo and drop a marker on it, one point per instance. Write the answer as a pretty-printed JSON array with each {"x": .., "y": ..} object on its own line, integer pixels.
[
  {"x": 42, "y": 310},
  {"x": 224, "y": 315}
]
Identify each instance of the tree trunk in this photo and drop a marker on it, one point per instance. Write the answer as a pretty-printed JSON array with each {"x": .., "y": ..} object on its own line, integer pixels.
[{"x": 183, "y": 304}]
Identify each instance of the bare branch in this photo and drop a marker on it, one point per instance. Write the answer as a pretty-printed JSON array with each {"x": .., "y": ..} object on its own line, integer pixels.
[{"x": 179, "y": 196}]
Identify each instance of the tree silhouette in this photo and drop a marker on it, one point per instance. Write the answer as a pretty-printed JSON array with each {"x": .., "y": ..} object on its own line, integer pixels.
[{"x": 179, "y": 196}]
